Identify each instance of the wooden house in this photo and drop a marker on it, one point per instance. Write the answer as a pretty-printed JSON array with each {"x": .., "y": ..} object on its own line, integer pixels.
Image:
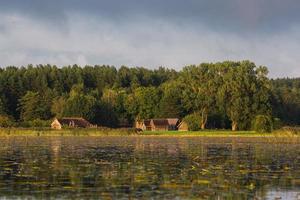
[
  {"x": 183, "y": 126},
  {"x": 147, "y": 124},
  {"x": 159, "y": 124},
  {"x": 173, "y": 124},
  {"x": 143, "y": 125},
  {"x": 71, "y": 123}
]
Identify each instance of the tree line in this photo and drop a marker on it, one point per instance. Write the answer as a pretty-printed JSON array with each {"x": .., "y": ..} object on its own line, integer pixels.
[{"x": 215, "y": 95}]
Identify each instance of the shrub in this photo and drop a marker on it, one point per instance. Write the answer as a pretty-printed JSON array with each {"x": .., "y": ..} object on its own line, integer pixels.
[
  {"x": 6, "y": 121},
  {"x": 193, "y": 121},
  {"x": 35, "y": 123},
  {"x": 262, "y": 124},
  {"x": 277, "y": 124},
  {"x": 39, "y": 123}
]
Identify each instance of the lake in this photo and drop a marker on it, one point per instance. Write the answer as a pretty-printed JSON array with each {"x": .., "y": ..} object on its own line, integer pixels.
[{"x": 148, "y": 167}]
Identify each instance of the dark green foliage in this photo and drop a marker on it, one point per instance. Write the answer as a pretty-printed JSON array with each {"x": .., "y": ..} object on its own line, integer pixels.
[
  {"x": 35, "y": 105},
  {"x": 39, "y": 123},
  {"x": 147, "y": 101},
  {"x": 193, "y": 121},
  {"x": 244, "y": 92},
  {"x": 106, "y": 115},
  {"x": 58, "y": 106},
  {"x": 2, "y": 107},
  {"x": 170, "y": 105},
  {"x": 277, "y": 124},
  {"x": 218, "y": 120},
  {"x": 224, "y": 94},
  {"x": 286, "y": 100},
  {"x": 262, "y": 124},
  {"x": 80, "y": 104}
]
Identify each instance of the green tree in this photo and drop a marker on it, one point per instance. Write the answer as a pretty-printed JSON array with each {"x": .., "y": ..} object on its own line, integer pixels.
[
  {"x": 171, "y": 102},
  {"x": 80, "y": 104},
  {"x": 244, "y": 92},
  {"x": 262, "y": 124},
  {"x": 34, "y": 105},
  {"x": 113, "y": 103},
  {"x": 192, "y": 121},
  {"x": 147, "y": 100},
  {"x": 220, "y": 92},
  {"x": 58, "y": 106},
  {"x": 200, "y": 90},
  {"x": 124, "y": 77}
]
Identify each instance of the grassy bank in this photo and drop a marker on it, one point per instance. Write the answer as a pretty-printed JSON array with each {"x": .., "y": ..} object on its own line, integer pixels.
[
  {"x": 221, "y": 133},
  {"x": 126, "y": 132},
  {"x": 63, "y": 132}
]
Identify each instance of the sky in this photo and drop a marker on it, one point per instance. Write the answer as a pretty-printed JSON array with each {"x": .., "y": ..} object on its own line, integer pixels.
[{"x": 151, "y": 33}]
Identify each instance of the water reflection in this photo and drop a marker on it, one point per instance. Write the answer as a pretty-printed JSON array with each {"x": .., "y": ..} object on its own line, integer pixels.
[{"x": 148, "y": 167}]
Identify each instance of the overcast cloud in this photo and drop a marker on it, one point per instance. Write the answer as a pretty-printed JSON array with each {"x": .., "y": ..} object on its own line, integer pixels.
[{"x": 151, "y": 33}]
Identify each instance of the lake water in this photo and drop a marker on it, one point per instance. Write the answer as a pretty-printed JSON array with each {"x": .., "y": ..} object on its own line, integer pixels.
[{"x": 148, "y": 168}]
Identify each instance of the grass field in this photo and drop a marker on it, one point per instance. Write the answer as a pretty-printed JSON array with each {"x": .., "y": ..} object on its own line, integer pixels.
[
  {"x": 221, "y": 133},
  {"x": 126, "y": 132},
  {"x": 63, "y": 132}
]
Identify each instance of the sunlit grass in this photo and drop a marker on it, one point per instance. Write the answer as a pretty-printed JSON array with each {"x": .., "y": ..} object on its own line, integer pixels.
[
  {"x": 127, "y": 132},
  {"x": 213, "y": 133},
  {"x": 63, "y": 132}
]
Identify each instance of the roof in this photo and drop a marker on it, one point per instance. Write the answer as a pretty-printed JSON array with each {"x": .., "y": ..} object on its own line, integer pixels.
[
  {"x": 79, "y": 122},
  {"x": 173, "y": 121},
  {"x": 160, "y": 122}
]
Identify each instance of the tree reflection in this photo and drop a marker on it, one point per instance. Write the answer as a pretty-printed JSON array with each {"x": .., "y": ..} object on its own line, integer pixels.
[{"x": 146, "y": 167}]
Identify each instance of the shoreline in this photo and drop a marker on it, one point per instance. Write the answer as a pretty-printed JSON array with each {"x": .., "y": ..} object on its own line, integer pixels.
[{"x": 131, "y": 132}]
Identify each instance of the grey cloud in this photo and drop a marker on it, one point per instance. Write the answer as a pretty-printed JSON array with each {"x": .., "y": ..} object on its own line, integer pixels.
[
  {"x": 236, "y": 15},
  {"x": 151, "y": 33}
]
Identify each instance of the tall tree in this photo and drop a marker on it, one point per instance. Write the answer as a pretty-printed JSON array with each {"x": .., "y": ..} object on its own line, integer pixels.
[
  {"x": 199, "y": 94},
  {"x": 243, "y": 92},
  {"x": 34, "y": 105},
  {"x": 147, "y": 100},
  {"x": 58, "y": 106},
  {"x": 171, "y": 102},
  {"x": 80, "y": 104}
]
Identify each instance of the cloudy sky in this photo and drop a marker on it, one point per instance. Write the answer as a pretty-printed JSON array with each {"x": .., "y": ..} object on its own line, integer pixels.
[{"x": 151, "y": 33}]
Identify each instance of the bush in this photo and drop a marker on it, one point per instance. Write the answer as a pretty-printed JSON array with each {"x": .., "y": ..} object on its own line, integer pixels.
[
  {"x": 193, "y": 121},
  {"x": 39, "y": 123},
  {"x": 277, "y": 124},
  {"x": 6, "y": 121},
  {"x": 262, "y": 124},
  {"x": 35, "y": 123}
]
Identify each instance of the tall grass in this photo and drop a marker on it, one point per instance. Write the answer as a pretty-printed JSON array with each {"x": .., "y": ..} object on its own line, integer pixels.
[
  {"x": 277, "y": 135},
  {"x": 63, "y": 132}
]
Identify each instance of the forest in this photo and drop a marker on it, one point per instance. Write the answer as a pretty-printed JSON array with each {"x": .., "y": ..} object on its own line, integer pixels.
[{"x": 222, "y": 95}]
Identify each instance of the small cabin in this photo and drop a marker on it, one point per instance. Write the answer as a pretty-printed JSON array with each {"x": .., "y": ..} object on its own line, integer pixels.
[
  {"x": 167, "y": 124},
  {"x": 173, "y": 123},
  {"x": 183, "y": 126},
  {"x": 71, "y": 123},
  {"x": 159, "y": 125},
  {"x": 143, "y": 125}
]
